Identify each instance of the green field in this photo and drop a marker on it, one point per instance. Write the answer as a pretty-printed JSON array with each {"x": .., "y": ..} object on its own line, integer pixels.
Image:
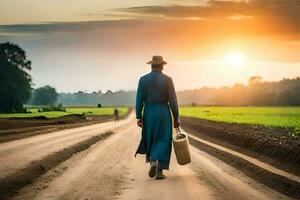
[
  {"x": 286, "y": 117},
  {"x": 77, "y": 110}
]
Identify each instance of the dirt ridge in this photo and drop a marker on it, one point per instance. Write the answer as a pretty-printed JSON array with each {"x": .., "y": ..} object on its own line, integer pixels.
[
  {"x": 279, "y": 183},
  {"x": 11, "y": 184},
  {"x": 19, "y": 128},
  {"x": 273, "y": 143}
]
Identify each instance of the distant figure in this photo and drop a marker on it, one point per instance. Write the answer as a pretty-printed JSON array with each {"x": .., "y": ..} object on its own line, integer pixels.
[
  {"x": 155, "y": 96},
  {"x": 116, "y": 114}
]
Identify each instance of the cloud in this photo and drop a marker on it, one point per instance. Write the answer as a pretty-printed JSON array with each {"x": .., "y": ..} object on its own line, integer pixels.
[
  {"x": 264, "y": 29},
  {"x": 277, "y": 15},
  {"x": 284, "y": 11},
  {"x": 50, "y": 27}
]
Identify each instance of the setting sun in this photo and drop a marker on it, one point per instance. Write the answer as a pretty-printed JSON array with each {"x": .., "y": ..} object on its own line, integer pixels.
[{"x": 235, "y": 59}]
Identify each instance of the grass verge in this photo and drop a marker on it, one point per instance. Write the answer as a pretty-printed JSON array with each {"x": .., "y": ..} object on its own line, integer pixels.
[{"x": 283, "y": 117}]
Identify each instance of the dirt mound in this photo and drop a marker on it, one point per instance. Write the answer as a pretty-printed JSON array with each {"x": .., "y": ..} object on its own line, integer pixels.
[
  {"x": 16, "y": 123},
  {"x": 10, "y": 185},
  {"x": 274, "y": 143},
  {"x": 18, "y": 128},
  {"x": 40, "y": 125}
]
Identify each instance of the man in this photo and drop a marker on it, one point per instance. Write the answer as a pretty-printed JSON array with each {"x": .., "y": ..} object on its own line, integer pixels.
[
  {"x": 155, "y": 97},
  {"x": 116, "y": 114}
]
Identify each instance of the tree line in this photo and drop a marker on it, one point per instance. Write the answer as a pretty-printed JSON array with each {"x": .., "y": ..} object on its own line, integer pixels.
[
  {"x": 257, "y": 93},
  {"x": 109, "y": 98}
]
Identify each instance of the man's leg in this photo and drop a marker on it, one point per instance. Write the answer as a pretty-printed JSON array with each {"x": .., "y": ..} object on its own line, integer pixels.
[
  {"x": 153, "y": 168},
  {"x": 159, "y": 172}
]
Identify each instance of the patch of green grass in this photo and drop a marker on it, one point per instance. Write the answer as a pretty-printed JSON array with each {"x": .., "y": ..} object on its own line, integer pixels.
[
  {"x": 284, "y": 117},
  {"x": 77, "y": 110}
]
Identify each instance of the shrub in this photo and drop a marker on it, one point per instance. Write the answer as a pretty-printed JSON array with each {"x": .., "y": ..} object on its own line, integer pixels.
[{"x": 52, "y": 108}]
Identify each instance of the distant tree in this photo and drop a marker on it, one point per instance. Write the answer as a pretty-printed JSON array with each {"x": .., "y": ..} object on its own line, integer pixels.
[
  {"x": 109, "y": 92},
  {"x": 238, "y": 95},
  {"x": 290, "y": 97},
  {"x": 99, "y": 105},
  {"x": 45, "y": 96},
  {"x": 15, "y": 80},
  {"x": 254, "y": 80}
]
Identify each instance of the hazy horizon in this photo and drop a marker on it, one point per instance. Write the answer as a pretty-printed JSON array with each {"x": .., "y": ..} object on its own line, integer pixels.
[
  {"x": 183, "y": 90},
  {"x": 92, "y": 45}
]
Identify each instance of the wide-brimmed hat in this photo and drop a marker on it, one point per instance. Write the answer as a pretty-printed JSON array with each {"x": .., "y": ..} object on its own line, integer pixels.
[{"x": 157, "y": 60}]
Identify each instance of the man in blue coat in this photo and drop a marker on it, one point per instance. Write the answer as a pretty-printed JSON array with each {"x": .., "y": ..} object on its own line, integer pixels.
[{"x": 155, "y": 97}]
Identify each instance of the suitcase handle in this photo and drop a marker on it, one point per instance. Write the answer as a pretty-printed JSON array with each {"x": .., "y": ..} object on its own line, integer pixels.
[{"x": 178, "y": 131}]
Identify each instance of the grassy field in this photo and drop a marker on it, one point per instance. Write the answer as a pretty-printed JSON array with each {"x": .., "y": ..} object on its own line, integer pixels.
[
  {"x": 286, "y": 117},
  {"x": 77, "y": 110}
]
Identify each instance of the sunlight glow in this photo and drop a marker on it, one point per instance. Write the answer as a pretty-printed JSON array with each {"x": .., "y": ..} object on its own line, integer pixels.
[{"x": 235, "y": 59}]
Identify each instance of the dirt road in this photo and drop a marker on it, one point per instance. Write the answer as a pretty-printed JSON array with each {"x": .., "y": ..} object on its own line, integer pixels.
[{"x": 108, "y": 170}]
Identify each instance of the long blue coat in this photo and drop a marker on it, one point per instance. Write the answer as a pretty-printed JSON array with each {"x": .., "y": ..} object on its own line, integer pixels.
[{"x": 155, "y": 96}]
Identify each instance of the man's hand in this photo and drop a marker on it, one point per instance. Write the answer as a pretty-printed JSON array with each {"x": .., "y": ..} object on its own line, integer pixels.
[
  {"x": 176, "y": 124},
  {"x": 140, "y": 123}
]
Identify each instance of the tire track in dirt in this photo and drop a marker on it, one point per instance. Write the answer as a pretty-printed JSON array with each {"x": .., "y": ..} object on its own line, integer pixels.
[{"x": 11, "y": 184}]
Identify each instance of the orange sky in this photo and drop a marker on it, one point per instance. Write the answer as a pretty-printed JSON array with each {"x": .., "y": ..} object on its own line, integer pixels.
[{"x": 106, "y": 44}]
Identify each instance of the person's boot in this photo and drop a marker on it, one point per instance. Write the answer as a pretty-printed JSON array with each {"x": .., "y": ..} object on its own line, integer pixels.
[
  {"x": 159, "y": 174},
  {"x": 153, "y": 168}
]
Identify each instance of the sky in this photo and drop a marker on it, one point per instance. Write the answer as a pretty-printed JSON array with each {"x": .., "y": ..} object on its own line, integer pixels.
[{"x": 93, "y": 45}]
